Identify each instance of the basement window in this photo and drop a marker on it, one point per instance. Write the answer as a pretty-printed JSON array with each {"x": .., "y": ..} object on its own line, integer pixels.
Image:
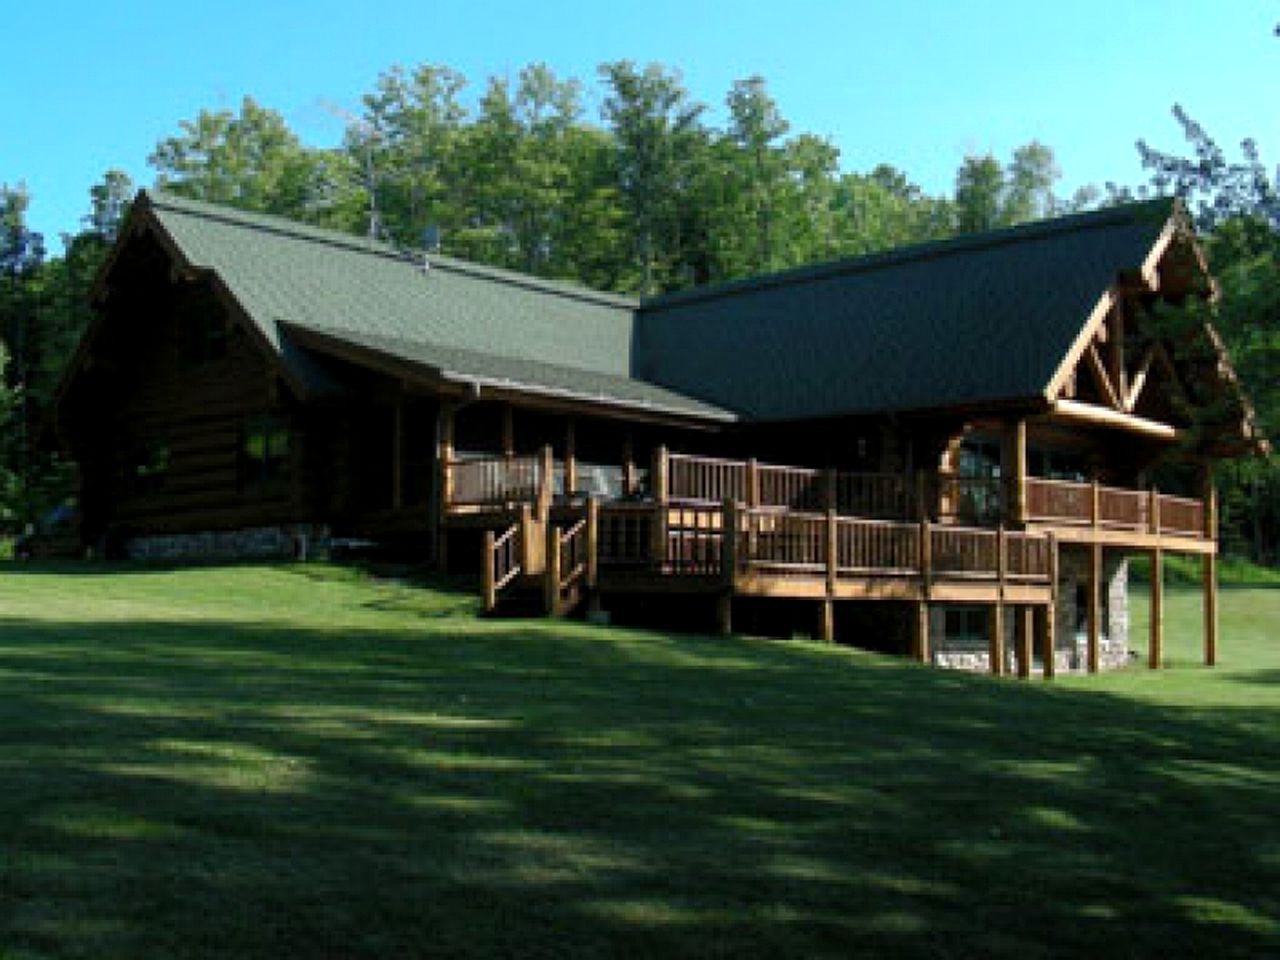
[
  {"x": 966, "y": 625},
  {"x": 264, "y": 455}
]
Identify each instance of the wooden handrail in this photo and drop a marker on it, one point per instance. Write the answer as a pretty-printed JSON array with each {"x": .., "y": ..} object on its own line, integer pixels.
[{"x": 501, "y": 558}]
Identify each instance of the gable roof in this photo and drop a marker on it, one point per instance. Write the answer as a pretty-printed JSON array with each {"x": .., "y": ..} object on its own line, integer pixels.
[
  {"x": 980, "y": 320},
  {"x": 467, "y": 321}
]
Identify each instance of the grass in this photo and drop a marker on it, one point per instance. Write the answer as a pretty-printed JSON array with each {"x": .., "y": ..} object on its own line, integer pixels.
[{"x": 299, "y": 761}]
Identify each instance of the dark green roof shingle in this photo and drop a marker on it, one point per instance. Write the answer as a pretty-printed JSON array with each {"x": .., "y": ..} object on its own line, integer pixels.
[{"x": 977, "y": 320}]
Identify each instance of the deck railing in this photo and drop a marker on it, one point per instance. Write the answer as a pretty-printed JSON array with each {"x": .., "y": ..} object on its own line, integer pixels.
[
  {"x": 971, "y": 501},
  {"x": 705, "y": 479},
  {"x": 484, "y": 481},
  {"x": 1071, "y": 503},
  {"x": 502, "y": 559},
  {"x": 868, "y": 547},
  {"x": 786, "y": 543}
]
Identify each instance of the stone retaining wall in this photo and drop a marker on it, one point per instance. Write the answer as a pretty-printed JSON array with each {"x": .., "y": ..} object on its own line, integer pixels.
[{"x": 295, "y": 542}]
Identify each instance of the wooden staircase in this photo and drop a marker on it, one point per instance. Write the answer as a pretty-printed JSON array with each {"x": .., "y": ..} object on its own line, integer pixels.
[{"x": 536, "y": 556}]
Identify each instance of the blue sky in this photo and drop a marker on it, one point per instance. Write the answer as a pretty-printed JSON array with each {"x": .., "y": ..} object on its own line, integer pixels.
[{"x": 915, "y": 83}]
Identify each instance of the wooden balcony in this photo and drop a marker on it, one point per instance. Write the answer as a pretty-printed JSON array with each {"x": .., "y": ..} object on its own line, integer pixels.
[
  {"x": 777, "y": 552},
  {"x": 1096, "y": 513}
]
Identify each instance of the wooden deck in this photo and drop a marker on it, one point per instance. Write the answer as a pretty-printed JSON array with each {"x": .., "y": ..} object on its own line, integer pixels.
[{"x": 730, "y": 528}]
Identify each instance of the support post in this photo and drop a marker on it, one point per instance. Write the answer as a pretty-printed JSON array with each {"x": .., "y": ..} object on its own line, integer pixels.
[
  {"x": 753, "y": 483},
  {"x": 1049, "y": 638},
  {"x": 1018, "y": 473},
  {"x": 1048, "y": 641},
  {"x": 593, "y": 542},
  {"x": 920, "y": 634},
  {"x": 1155, "y": 648},
  {"x": 551, "y": 582},
  {"x": 827, "y": 620},
  {"x": 628, "y": 468},
  {"x": 529, "y": 548},
  {"x": 995, "y": 639},
  {"x": 508, "y": 431},
  {"x": 833, "y": 551},
  {"x": 661, "y": 517},
  {"x": 1095, "y": 606},
  {"x": 831, "y": 488},
  {"x": 547, "y": 488},
  {"x": 1095, "y": 505},
  {"x": 728, "y": 566},
  {"x": 1209, "y": 574},
  {"x": 926, "y": 558},
  {"x": 486, "y": 573},
  {"x": 570, "y": 461},
  {"x": 1024, "y": 629},
  {"x": 1209, "y": 566}
]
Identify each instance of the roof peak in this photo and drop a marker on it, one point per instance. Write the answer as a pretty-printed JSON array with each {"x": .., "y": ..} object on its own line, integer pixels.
[
  {"x": 1157, "y": 210},
  {"x": 283, "y": 226}
]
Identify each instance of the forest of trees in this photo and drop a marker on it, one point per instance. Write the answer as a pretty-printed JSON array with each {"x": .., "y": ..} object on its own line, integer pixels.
[{"x": 647, "y": 197}]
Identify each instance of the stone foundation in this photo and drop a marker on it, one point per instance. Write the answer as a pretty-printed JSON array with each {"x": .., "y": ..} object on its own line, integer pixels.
[
  {"x": 292, "y": 542},
  {"x": 1072, "y": 641}
]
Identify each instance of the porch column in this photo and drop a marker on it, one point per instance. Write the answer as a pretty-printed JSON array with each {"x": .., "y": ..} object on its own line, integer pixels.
[
  {"x": 658, "y": 486},
  {"x": 1155, "y": 647},
  {"x": 1015, "y": 465},
  {"x": 1095, "y": 605},
  {"x": 628, "y": 467},
  {"x": 827, "y": 620}
]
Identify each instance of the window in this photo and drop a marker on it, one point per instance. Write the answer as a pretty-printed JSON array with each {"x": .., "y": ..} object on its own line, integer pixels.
[
  {"x": 203, "y": 334},
  {"x": 264, "y": 455},
  {"x": 966, "y": 625}
]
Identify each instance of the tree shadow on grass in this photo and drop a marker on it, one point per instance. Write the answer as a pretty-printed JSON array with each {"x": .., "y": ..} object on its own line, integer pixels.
[{"x": 547, "y": 789}]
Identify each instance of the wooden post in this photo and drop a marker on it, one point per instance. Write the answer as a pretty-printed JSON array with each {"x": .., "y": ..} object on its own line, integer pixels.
[
  {"x": 995, "y": 639},
  {"x": 1155, "y": 649},
  {"x": 661, "y": 516},
  {"x": 1153, "y": 511},
  {"x": 1002, "y": 562},
  {"x": 1095, "y": 605},
  {"x": 486, "y": 573},
  {"x": 1050, "y": 637},
  {"x": 528, "y": 548},
  {"x": 593, "y": 542},
  {"x": 753, "y": 483},
  {"x": 926, "y": 558},
  {"x": 570, "y": 461},
  {"x": 1024, "y": 628},
  {"x": 827, "y": 620},
  {"x": 508, "y": 431},
  {"x": 920, "y": 634},
  {"x": 628, "y": 468},
  {"x": 1018, "y": 473},
  {"x": 1208, "y": 573},
  {"x": 1209, "y": 567},
  {"x": 547, "y": 488},
  {"x": 728, "y": 565},
  {"x": 833, "y": 551},
  {"x": 831, "y": 488},
  {"x": 1095, "y": 507},
  {"x": 729, "y": 542},
  {"x": 551, "y": 582}
]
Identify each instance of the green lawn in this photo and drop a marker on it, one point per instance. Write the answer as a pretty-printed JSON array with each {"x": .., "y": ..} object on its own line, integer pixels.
[{"x": 293, "y": 761}]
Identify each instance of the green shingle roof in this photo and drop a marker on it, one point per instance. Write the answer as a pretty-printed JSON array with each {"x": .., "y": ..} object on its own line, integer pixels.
[
  {"x": 978, "y": 320},
  {"x": 506, "y": 325}
]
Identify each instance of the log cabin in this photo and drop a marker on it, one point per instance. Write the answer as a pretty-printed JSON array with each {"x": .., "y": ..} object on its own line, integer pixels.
[{"x": 953, "y": 447}]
